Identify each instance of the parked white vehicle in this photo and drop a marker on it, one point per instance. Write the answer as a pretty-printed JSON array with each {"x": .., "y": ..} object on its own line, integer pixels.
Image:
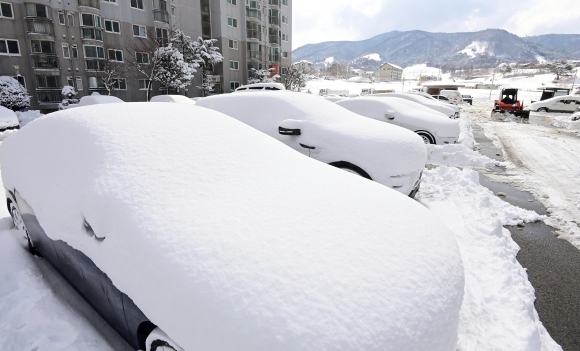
[
  {"x": 260, "y": 87},
  {"x": 218, "y": 237},
  {"x": 173, "y": 98},
  {"x": 566, "y": 103},
  {"x": 97, "y": 99},
  {"x": 453, "y": 96},
  {"x": 433, "y": 127},
  {"x": 576, "y": 115},
  {"x": 329, "y": 133},
  {"x": 8, "y": 119},
  {"x": 448, "y": 110}
]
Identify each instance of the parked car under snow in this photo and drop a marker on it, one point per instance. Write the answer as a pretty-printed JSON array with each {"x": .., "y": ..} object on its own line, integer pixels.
[
  {"x": 214, "y": 236},
  {"x": 8, "y": 119},
  {"x": 331, "y": 134},
  {"x": 173, "y": 99},
  {"x": 431, "y": 126},
  {"x": 449, "y": 110}
]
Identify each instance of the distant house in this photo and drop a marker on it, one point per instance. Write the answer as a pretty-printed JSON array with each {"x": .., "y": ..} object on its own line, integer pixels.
[{"x": 390, "y": 72}]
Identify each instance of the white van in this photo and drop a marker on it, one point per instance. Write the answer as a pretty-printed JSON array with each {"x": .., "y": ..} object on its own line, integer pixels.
[{"x": 453, "y": 95}]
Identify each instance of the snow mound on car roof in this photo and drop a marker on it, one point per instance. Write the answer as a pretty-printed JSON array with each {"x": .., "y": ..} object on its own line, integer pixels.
[{"x": 228, "y": 239}]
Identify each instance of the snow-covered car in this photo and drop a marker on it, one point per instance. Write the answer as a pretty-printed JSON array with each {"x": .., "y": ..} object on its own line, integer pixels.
[
  {"x": 173, "y": 99},
  {"x": 441, "y": 98},
  {"x": 576, "y": 115},
  {"x": 214, "y": 236},
  {"x": 449, "y": 110},
  {"x": 334, "y": 98},
  {"x": 8, "y": 119},
  {"x": 329, "y": 133},
  {"x": 431, "y": 126},
  {"x": 97, "y": 99},
  {"x": 566, "y": 103},
  {"x": 261, "y": 87}
]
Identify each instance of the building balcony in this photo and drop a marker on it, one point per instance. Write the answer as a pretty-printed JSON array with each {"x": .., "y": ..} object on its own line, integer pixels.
[
  {"x": 274, "y": 20},
  {"x": 40, "y": 26},
  {"x": 254, "y": 34},
  {"x": 48, "y": 96},
  {"x": 274, "y": 3},
  {"x": 274, "y": 57},
  {"x": 90, "y": 3},
  {"x": 253, "y": 14},
  {"x": 254, "y": 55},
  {"x": 95, "y": 65},
  {"x": 44, "y": 62},
  {"x": 274, "y": 39},
  {"x": 159, "y": 5},
  {"x": 91, "y": 33},
  {"x": 161, "y": 16}
]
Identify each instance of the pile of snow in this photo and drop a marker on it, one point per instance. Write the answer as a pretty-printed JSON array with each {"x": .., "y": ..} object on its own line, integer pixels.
[
  {"x": 498, "y": 309},
  {"x": 173, "y": 99},
  {"x": 245, "y": 270},
  {"x": 26, "y": 117},
  {"x": 96, "y": 99},
  {"x": 475, "y": 48}
]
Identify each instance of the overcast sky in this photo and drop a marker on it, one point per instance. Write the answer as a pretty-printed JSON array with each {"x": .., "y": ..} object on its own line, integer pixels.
[{"x": 316, "y": 21}]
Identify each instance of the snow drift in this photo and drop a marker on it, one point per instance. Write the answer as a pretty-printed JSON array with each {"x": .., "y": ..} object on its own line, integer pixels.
[{"x": 227, "y": 239}]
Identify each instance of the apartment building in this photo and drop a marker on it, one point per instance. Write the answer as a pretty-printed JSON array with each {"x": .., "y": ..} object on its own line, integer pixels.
[
  {"x": 47, "y": 44},
  {"x": 390, "y": 72}
]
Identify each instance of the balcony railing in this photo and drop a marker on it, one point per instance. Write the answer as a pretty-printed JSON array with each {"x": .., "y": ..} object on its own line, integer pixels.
[
  {"x": 49, "y": 97},
  {"x": 161, "y": 16},
  {"x": 257, "y": 55},
  {"x": 160, "y": 5},
  {"x": 254, "y": 34},
  {"x": 90, "y": 3},
  {"x": 44, "y": 62},
  {"x": 274, "y": 57},
  {"x": 274, "y": 39},
  {"x": 274, "y": 20},
  {"x": 274, "y": 2},
  {"x": 253, "y": 13},
  {"x": 39, "y": 26}
]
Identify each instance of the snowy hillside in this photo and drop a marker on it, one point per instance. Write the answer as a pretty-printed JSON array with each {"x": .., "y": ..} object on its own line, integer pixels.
[{"x": 468, "y": 48}]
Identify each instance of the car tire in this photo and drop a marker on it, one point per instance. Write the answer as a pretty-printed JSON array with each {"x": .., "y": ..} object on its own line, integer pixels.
[
  {"x": 161, "y": 345},
  {"x": 19, "y": 225},
  {"x": 351, "y": 168},
  {"x": 427, "y": 137},
  {"x": 543, "y": 109}
]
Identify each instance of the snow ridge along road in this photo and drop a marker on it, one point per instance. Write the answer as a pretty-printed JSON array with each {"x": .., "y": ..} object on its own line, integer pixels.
[{"x": 544, "y": 161}]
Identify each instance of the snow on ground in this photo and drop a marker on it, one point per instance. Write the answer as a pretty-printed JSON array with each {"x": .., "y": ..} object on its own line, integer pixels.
[
  {"x": 498, "y": 311},
  {"x": 374, "y": 57},
  {"x": 545, "y": 161},
  {"x": 476, "y": 47},
  {"x": 329, "y": 60}
]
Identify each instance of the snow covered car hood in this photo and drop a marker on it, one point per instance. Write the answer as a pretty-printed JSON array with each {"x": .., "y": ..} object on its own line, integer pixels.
[
  {"x": 409, "y": 112},
  {"x": 447, "y": 109},
  {"x": 227, "y": 239},
  {"x": 8, "y": 118},
  {"x": 380, "y": 149}
]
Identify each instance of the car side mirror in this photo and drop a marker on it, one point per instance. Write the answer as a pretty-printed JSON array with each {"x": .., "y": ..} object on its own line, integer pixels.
[
  {"x": 390, "y": 115},
  {"x": 290, "y": 127}
]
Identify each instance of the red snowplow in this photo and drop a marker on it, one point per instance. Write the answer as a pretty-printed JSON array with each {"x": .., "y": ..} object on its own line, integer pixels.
[{"x": 508, "y": 102}]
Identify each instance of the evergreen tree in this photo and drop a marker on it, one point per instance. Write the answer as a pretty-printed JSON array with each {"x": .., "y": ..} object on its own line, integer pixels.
[{"x": 12, "y": 94}]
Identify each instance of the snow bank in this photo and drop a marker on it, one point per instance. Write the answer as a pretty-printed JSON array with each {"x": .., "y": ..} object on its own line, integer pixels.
[
  {"x": 96, "y": 99},
  {"x": 26, "y": 117},
  {"x": 498, "y": 311},
  {"x": 238, "y": 242}
]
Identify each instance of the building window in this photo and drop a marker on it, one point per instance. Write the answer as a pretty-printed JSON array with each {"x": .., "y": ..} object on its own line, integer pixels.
[
  {"x": 284, "y": 19},
  {"x": 235, "y": 65},
  {"x": 65, "y": 50},
  {"x": 9, "y": 47},
  {"x": 110, "y": 0},
  {"x": 71, "y": 18},
  {"x": 137, "y": 4},
  {"x": 79, "y": 81},
  {"x": 233, "y": 2},
  {"x": 284, "y": 54},
  {"x": 37, "y": 10},
  {"x": 234, "y": 85},
  {"x": 112, "y": 26},
  {"x": 90, "y": 20},
  {"x": 143, "y": 84},
  {"x": 285, "y": 2},
  {"x": 42, "y": 47},
  {"x": 115, "y": 55},
  {"x": 172, "y": 10},
  {"x": 284, "y": 70},
  {"x": 49, "y": 97},
  {"x": 6, "y": 10},
  {"x": 232, "y": 22},
  {"x": 142, "y": 58},
  {"x": 162, "y": 35},
  {"x": 284, "y": 37},
  {"x": 74, "y": 51},
  {"x": 233, "y": 44},
  {"x": 139, "y": 31},
  {"x": 120, "y": 84},
  {"x": 95, "y": 83},
  {"x": 93, "y": 51},
  {"x": 61, "y": 17},
  {"x": 47, "y": 81}
]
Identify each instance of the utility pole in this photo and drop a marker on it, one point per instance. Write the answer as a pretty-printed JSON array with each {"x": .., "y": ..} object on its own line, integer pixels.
[
  {"x": 574, "y": 80},
  {"x": 491, "y": 87}
]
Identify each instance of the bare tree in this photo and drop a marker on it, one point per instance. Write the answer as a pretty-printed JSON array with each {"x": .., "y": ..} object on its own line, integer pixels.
[
  {"x": 560, "y": 68},
  {"x": 141, "y": 51},
  {"x": 297, "y": 75},
  {"x": 114, "y": 68}
]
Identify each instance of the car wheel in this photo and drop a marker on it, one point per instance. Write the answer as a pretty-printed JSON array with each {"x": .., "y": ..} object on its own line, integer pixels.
[
  {"x": 19, "y": 225},
  {"x": 159, "y": 341},
  {"x": 427, "y": 137},
  {"x": 543, "y": 109},
  {"x": 161, "y": 345}
]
